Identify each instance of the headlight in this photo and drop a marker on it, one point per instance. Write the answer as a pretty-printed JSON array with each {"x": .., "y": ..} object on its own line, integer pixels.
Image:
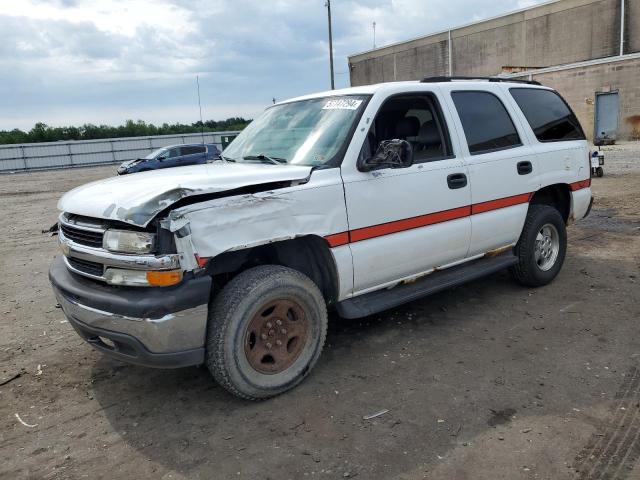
[
  {"x": 142, "y": 278},
  {"x": 126, "y": 241}
]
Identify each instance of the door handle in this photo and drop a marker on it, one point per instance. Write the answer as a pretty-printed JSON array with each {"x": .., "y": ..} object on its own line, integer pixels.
[
  {"x": 457, "y": 180},
  {"x": 524, "y": 168}
]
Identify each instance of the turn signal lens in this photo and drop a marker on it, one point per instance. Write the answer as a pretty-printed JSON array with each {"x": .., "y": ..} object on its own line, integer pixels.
[
  {"x": 164, "y": 278},
  {"x": 142, "y": 278}
]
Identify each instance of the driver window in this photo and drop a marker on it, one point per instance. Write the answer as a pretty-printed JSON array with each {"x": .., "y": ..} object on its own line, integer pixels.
[{"x": 415, "y": 118}]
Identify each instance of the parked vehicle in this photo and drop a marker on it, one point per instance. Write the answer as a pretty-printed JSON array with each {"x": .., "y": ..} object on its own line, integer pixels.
[
  {"x": 172, "y": 156},
  {"x": 356, "y": 200}
]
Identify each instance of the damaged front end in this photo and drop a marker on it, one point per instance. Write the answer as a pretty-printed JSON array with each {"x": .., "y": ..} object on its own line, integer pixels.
[
  {"x": 127, "y": 293},
  {"x": 130, "y": 279}
]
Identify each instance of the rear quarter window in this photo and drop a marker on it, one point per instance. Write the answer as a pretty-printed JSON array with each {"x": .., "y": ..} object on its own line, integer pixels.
[{"x": 548, "y": 114}]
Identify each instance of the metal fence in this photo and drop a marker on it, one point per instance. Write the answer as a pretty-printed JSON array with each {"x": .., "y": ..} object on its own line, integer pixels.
[{"x": 66, "y": 154}]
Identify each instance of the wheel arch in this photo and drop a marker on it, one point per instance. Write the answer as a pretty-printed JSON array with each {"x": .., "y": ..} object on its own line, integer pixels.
[
  {"x": 557, "y": 196},
  {"x": 308, "y": 254}
]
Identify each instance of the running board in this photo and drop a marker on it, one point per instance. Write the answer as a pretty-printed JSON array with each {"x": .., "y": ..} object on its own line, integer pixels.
[{"x": 387, "y": 298}]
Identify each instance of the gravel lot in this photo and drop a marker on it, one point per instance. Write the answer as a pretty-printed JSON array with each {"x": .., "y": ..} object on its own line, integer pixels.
[{"x": 485, "y": 381}]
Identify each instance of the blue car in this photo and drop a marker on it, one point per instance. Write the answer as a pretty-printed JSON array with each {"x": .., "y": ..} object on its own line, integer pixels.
[{"x": 172, "y": 156}]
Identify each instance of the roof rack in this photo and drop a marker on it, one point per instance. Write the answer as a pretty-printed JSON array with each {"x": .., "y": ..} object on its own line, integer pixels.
[{"x": 490, "y": 79}]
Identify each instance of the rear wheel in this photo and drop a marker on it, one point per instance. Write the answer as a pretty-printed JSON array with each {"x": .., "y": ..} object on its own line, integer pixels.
[
  {"x": 541, "y": 248},
  {"x": 266, "y": 331}
]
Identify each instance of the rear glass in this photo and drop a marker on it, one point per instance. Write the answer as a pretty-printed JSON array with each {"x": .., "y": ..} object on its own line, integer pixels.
[{"x": 550, "y": 117}]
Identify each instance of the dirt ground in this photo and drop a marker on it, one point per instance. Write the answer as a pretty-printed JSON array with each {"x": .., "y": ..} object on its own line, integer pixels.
[{"x": 485, "y": 381}]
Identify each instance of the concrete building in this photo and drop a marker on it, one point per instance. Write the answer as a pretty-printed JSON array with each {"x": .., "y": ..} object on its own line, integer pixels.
[{"x": 589, "y": 50}]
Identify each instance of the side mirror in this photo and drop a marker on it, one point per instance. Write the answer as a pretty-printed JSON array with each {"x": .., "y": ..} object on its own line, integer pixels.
[{"x": 390, "y": 154}]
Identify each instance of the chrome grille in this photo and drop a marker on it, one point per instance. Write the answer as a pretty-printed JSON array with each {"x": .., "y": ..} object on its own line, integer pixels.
[{"x": 81, "y": 236}]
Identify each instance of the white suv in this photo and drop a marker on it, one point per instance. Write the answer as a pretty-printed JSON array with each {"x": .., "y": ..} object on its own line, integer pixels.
[{"x": 358, "y": 200}]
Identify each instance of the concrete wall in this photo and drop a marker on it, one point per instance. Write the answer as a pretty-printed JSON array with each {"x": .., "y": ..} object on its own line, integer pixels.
[
  {"x": 562, "y": 32},
  {"x": 579, "y": 86},
  {"x": 558, "y": 33},
  {"x": 632, "y": 26}
]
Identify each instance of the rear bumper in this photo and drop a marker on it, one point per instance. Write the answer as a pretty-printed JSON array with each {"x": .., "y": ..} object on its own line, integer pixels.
[
  {"x": 589, "y": 208},
  {"x": 581, "y": 202},
  {"x": 155, "y": 327}
]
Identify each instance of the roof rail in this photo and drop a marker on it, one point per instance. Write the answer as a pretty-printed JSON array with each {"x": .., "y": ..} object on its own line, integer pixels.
[{"x": 489, "y": 79}]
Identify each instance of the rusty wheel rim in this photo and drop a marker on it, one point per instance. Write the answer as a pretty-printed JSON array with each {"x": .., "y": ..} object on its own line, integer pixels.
[{"x": 275, "y": 336}]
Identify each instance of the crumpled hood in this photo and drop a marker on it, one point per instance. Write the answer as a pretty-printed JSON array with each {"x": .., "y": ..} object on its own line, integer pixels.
[
  {"x": 138, "y": 198},
  {"x": 135, "y": 161}
]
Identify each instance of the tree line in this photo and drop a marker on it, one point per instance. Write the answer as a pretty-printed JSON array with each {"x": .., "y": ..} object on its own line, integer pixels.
[{"x": 42, "y": 132}]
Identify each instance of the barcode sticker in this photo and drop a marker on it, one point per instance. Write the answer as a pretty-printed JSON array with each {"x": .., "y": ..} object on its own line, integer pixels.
[{"x": 342, "y": 104}]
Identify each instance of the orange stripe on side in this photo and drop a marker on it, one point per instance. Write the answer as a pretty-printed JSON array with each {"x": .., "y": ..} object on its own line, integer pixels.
[
  {"x": 500, "y": 203},
  {"x": 396, "y": 226},
  {"x": 409, "y": 223},
  {"x": 580, "y": 185},
  {"x": 337, "y": 239}
]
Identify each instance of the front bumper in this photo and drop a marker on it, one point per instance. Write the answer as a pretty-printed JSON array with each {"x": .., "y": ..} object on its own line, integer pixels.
[{"x": 155, "y": 327}]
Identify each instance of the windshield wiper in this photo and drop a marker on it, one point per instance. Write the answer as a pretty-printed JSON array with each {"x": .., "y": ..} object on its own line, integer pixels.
[
  {"x": 272, "y": 160},
  {"x": 226, "y": 159}
]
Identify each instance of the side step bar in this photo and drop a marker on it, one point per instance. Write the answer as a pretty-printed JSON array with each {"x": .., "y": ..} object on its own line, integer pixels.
[{"x": 384, "y": 299}]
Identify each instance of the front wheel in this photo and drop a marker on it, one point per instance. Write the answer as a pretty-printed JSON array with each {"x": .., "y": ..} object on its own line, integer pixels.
[
  {"x": 541, "y": 248},
  {"x": 265, "y": 332}
]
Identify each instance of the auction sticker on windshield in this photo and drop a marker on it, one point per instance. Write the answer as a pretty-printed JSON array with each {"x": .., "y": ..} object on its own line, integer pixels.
[{"x": 342, "y": 104}]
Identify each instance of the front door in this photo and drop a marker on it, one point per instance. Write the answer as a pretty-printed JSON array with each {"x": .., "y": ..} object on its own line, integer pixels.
[{"x": 407, "y": 221}]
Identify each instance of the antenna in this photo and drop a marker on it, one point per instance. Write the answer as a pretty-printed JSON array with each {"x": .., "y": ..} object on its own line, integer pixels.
[
  {"x": 200, "y": 107},
  {"x": 374, "y": 34}
]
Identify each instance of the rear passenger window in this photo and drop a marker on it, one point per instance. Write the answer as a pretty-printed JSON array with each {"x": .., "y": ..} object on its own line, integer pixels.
[
  {"x": 486, "y": 123},
  {"x": 191, "y": 150},
  {"x": 550, "y": 117}
]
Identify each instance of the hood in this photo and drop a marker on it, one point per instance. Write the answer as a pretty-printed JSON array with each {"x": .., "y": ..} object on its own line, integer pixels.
[
  {"x": 129, "y": 163},
  {"x": 136, "y": 199}
]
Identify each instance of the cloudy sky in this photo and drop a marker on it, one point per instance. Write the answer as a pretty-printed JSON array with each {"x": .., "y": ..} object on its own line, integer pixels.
[{"x": 77, "y": 61}]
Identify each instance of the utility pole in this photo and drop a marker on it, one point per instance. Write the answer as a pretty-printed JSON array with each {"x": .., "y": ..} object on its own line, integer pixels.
[
  {"x": 374, "y": 35},
  {"x": 328, "y": 5},
  {"x": 200, "y": 107}
]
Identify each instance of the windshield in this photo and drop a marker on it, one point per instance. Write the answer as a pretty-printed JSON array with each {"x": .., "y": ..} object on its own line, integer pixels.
[
  {"x": 155, "y": 153},
  {"x": 307, "y": 132}
]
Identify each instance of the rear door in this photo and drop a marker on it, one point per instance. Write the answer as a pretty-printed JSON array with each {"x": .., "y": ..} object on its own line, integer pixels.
[
  {"x": 192, "y": 154},
  {"x": 502, "y": 164},
  {"x": 406, "y": 221},
  {"x": 557, "y": 137}
]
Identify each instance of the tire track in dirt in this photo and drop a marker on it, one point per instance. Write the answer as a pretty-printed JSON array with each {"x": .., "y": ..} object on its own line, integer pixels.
[{"x": 612, "y": 455}]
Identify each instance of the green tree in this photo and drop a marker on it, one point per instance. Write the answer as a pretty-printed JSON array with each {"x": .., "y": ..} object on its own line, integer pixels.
[{"x": 41, "y": 132}]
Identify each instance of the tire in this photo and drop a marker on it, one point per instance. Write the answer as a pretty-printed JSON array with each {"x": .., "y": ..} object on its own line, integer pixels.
[
  {"x": 534, "y": 270},
  {"x": 243, "y": 331},
  {"x": 599, "y": 172}
]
